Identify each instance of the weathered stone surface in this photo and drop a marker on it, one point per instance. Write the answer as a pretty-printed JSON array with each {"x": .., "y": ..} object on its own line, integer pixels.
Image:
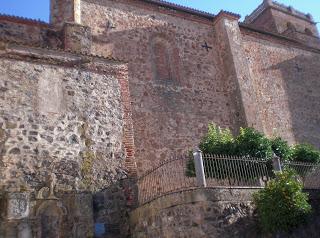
[
  {"x": 85, "y": 118},
  {"x": 208, "y": 213},
  {"x": 173, "y": 105},
  {"x": 197, "y": 213},
  {"x": 17, "y": 205},
  {"x": 177, "y": 84},
  {"x": 286, "y": 86},
  {"x": 44, "y": 129},
  {"x": 70, "y": 215},
  {"x": 111, "y": 209},
  {"x": 77, "y": 38},
  {"x": 173, "y": 101}
]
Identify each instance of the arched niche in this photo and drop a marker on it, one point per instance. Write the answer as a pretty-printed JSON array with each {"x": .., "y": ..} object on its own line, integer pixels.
[
  {"x": 165, "y": 59},
  {"x": 51, "y": 213}
]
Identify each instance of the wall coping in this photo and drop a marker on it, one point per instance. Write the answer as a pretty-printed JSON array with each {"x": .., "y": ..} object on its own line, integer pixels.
[{"x": 23, "y": 20}]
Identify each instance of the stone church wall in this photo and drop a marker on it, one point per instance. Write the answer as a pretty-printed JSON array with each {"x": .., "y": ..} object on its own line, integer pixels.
[
  {"x": 177, "y": 86},
  {"x": 65, "y": 141},
  {"x": 286, "y": 81},
  {"x": 73, "y": 118},
  {"x": 29, "y": 32},
  {"x": 60, "y": 114}
]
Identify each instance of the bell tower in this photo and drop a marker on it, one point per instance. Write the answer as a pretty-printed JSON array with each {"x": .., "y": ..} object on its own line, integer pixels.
[
  {"x": 275, "y": 17},
  {"x": 62, "y": 11}
]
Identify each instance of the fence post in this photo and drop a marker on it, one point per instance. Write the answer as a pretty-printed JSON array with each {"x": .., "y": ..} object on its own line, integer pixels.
[
  {"x": 198, "y": 162},
  {"x": 276, "y": 164}
]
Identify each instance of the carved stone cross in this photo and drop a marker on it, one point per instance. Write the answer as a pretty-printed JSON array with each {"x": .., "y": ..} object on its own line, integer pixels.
[{"x": 206, "y": 46}]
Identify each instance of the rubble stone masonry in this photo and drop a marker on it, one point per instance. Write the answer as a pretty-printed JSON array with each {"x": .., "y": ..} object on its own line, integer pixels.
[
  {"x": 60, "y": 116},
  {"x": 111, "y": 88}
]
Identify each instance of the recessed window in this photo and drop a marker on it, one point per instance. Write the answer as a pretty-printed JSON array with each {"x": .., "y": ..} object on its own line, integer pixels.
[
  {"x": 290, "y": 26},
  {"x": 165, "y": 59},
  {"x": 308, "y": 32}
]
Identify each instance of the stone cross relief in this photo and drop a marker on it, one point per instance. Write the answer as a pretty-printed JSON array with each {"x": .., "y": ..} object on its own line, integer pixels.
[
  {"x": 206, "y": 46},
  {"x": 52, "y": 180}
]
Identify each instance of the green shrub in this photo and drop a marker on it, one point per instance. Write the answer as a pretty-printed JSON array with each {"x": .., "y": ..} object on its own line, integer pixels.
[
  {"x": 249, "y": 142},
  {"x": 305, "y": 153},
  {"x": 253, "y": 143},
  {"x": 217, "y": 141},
  {"x": 282, "y": 205},
  {"x": 281, "y": 148}
]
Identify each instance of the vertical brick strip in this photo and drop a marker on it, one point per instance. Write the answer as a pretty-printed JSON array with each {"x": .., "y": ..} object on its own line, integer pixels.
[{"x": 128, "y": 134}]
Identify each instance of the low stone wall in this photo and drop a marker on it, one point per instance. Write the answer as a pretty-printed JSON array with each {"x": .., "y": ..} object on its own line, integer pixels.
[
  {"x": 196, "y": 213},
  {"x": 209, "y": 213}
]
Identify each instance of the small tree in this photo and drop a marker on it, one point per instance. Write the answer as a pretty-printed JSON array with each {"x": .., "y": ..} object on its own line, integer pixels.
[{"x": 282, "y": 205}]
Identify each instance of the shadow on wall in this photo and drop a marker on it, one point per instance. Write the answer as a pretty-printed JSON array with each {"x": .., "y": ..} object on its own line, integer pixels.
[
  {"x": 172, "y": 102},
  {"x": 301, "y": 83}
]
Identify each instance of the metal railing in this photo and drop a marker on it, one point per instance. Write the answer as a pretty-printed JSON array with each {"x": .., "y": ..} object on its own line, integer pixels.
[
  {"x": 170, "y": 176},
  {"x": 185, "y": 173},
  {"x": 234, "y": 171},
  {"x": 217, "y": 171},
  {"x": 308, "y": 173}
]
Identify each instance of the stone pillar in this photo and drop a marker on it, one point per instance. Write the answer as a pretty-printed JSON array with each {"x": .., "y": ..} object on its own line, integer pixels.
[
  {"x": 276, "y": 164},
  {"x": 62, "y": 11},
  {"x": 77, "y": 38},
  {"x": 198, "y": 162},
  {"x": 237, "y": 74}
]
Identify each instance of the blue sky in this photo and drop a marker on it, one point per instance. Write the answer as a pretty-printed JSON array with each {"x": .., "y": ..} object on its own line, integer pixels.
[{"x": 39, "y": 9}]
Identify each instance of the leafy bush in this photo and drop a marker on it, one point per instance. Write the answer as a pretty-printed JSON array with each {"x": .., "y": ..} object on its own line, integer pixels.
[
  {"x": 281, "y": 148},
  {"x": 282, "y": 205},
  {"x": 221, "y": 142},
  {"x": 217, "y": 141},
  {"x": 249, "y": 142},
  {"x": 253, "y": 143},
  {"x": 305, "y": 153}
]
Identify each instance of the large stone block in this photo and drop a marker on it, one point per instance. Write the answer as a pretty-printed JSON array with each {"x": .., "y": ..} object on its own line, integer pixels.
[{"x": 17, "y": 205}]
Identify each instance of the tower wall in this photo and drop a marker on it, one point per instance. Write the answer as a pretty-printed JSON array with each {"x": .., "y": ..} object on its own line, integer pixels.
[{"x": 62, "y": 11}]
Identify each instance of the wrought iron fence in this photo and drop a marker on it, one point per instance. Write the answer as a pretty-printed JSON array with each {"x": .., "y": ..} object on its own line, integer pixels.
[
  {"x": 181, "y": 174},
  {"x": 170, "y": 176},
  {"x": 214, "y": 171},
  {"x": 309, "y": 173},
  {"x": 236, "y": 171}
]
